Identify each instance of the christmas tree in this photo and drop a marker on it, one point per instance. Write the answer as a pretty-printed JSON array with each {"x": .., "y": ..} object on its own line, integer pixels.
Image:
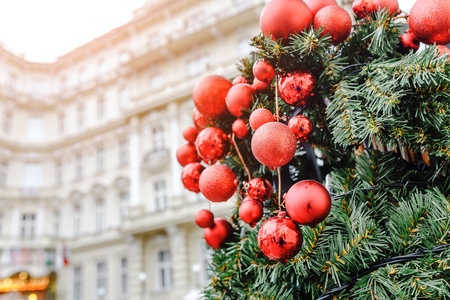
[{"x": 326, "y": 103}]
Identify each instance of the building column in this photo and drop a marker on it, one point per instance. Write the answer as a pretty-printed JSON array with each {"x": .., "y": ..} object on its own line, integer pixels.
[
  {"x": 175, "y": 167},
  {"x": 135, "y": 163},
  {"x": 137, "y": 276},
  {"x": 179, "y": 255}
]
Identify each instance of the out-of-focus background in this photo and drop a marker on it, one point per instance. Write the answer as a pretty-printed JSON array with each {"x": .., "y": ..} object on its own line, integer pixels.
[{"x": 94, "y": 96}]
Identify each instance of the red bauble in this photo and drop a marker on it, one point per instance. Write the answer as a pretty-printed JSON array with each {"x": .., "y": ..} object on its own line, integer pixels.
[
  {"x": 260, "y": 117},
  {"x": 362, "y": 8},
  {"x": 251, "y": 211},
  {"x": 190, "y": 134},
  {"x": 408, "y": 42},
  {"x": 239, "y": 79},
  {"x": 259, "y": 189},
  {"x": 219, "y": 234},
  {"x": 308, "y": 202},
  {"x": 441, "y": 50},
  {"x": 204, "y": 219},
  {"x": 218, "y": 183},
  {"x": 263, "y": 71},
  {"x": 316, "y": 5},
  {"x": 301, "y": 126},
  {"x": 200, "y": 121},
  {"x": 259, "y": 85},
  {"x": 281, "y": 18},
  {"x": 390, "y": 5},
  {"x": 274, "y": 145},
  {"x": 209, "y": 96},
  {"x": 187, "y": 153},
  {"x": 240, "y": 129},
  {"x": 335, "y": 21},
  {"x": 297, "y": 87},
  {"x": 279, "y": 238},
  {"x": 212, "y": 144},
  {"x": 429, "y": 20},
  {"x": 239, "y": 97},
  {"x": 191, "y": 176}
]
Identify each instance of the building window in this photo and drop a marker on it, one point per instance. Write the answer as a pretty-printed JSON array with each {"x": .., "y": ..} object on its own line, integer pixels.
[
  {"x": 27, "y": 229},
  {"x": 7, "y": 122},
  {"x": 12, "y": 83},
  {"x": 124, "y": 98},
  {"x": 76, "y": 220},
  {"x": 58, "y": 172},
  {"x": 164, "y": 270},
  {"x": 3, "y": 173},
  {"x": 78, "y": 166},
  {"x": 39, "y": 89},
  {"x": 80, "y": 115},
  {"x": 77, "y": 283},
  {"x": 123, "y": 205},
  {"x": 101, "y": 281},
  {"x": 123, "y": 151},
  {"x": 100, "y": 158},
  {"x": 124, "y": 277},
  {"x": 198, "y": 65},
  {"x": 100, "y": 214},
  {"x": 100, "y": 108},
  {"x": 35, "y": 128},
  {"x": 32, "y": 176},
  {"x": 156, "y": 82},
  {"x": 160, "y": 195},
  {"x": 56, "y": 222},
  {"x": 61, "y": 123},
  {"x": 157, "y": 138}
]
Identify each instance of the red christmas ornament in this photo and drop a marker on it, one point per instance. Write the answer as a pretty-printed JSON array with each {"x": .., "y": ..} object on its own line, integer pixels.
[
  {"x": 335, "y": 21},
  {"x": 281, "y": 18},
  {"x": 260, "y": 117},
  {"x": 301, "y": 126},
  {"x": 240, "y": 129},
  {"x": 239, "y": 97},
  {"x": 316, "y": 5},
  {"x": 190, "y": 134},
  {"x": 274, "y": 145},
  {"x": 187, "y": 153},
  {"x": 259, "y": 189},
  {"x": 219, "y": 234},
  {"x": 204, "y": 219},
  {"x": 218, "y": 183},
  {"x": 212, "y": 144},
  {"x": 279, "y": 238},
  {"x": 297, "y": 87},
  {"x": 408, "y": 42},
  {"x": 308, "y": 202},
  {"x": 191, "y": 176},
  {"x": 251, "y": 211},
  {"x": 362, "y": 8},
  {"x": 200, "y": 121},
  {"x": 259, "y": 85},
  {"x": 429, "y": 20},
  {"x": 263, "y": 71},
  {"x": 209, "y": 96},
  {"x": 390, "y": 5},
  {"x": 239, "y": 79},
  {"x": 442, "y": 50}
]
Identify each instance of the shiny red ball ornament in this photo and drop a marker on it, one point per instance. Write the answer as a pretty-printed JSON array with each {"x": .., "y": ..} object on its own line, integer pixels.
[
  {"x": 408, "y": 42},
  {"x": 279, "y": 238},
  {"x": 429, "y": 20},
  {"x": 274, "y": 145},
  {"x": 259, "y": 117},
  {"x": 335, "y": 21},
  {"x": 187, "y": 153},
  {"x": 281, "y": 18},
  {"x": 263, "y": 71},
  {"x": 308, "y": 202},
  {"x": 190, "y": 134},
  {"x": 240, "y": 129},
  {"x": 442, "y": 50},
  {"x": 218, "y": 183},
  {"x": 259, "y": 189},
  {"x": 191, "y": 176},
  {"x": 301, "y": 126},
  {"x": 204, "y": 219},
  {"x": 239, "y": 98},
  {"x": 251, "y": 211},
  {"x": 390, "y": 5},
  {"x": 297, "y": 87},
  {"x": 219, "y": 234},
  {"x": 212, "y": 144},
  {"x": 259, "y": 85},
  {"x": 239, "y": 79},
  {"x": 316, "y": 5},
  {"x": 362, "y": 8},
  {"x": 200, "y": 121},
  {"x": 209, "y": 96}
]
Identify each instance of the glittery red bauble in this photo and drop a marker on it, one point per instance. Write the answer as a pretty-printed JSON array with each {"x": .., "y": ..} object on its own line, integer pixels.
[
  {"x": 442, "y": 50},
  {"x": 279, "y": 238},
  {"x": 308, "y": 202},
  {"x": 239, "y": 79},
  {"x": 259, "y": 189},
  {"x": 251, "y": 211},
  {"x": 187, "y": 153},
  {"x": 362, "y": 8},
  {"x": 297, "y": 87},
  {"x": 281, "y": 18},
  {"x": 240, "y": 129},
  {"x": 335, "y": 21},
  {"x": 200, "y": 121},
  {"x": 190, "y": 134},
  {"x": 209, "y": 96},
  {"x": 239, "y": 98},
  {"x": 274, "y": 145},
  {"x": 408, "y": 41},
  {"x": 301, "y": 126},
  {"x": 390, "y": 5},
  {"x": 218, "y": 235},
  {"x": 316, "y": 5},
  {"x": 204, "y": 219},
  {"x": 263, "y": 71},
  {"x": 218, "y": 183},
  {"x": 259, "y": 85},
  {"x": 212, "y": 144},
  {"x": 429, "y": 20},
  {"x": 191, "y": 176},
  {"x": 260, "y": 117}
]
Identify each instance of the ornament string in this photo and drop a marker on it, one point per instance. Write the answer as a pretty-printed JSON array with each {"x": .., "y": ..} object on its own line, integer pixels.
[
  {"x": 278, "y": 120},
  {"x": 240, "y": 157}
]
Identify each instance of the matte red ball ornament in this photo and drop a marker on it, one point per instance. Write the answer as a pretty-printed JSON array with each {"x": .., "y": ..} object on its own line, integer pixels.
[
  {"x": 316, "y": 5},
  {"x": 251, "y": 211},
  {"x": 219, "y": 234},
  {"x": 204, "y": 219},
  {"x": 390, "y": 5},
  {"x": 363, "y": 8},
  {"x": 187, "y": 153},
  {"x": 274, "y": 145},
  {"x": 442, "y": 50},
  {"x": 429, "y": 20},
  {"x": 190, "y": 134},
  {"x": 259, "y": 117},
  {"x": 408, "y": 42},
  {"x": 301, "y": 126},
  {"x": 209, "y": 96},
  {"x": 279, "y": 238},
  {"x": 240, "y": 129},
  {"x": 263, "y": 71},
  {"x": 297, "y": 87},
  {"x": 308, "y": 202},
  {"x": 239, "y": 98},
  {"x": 259, "y": 85},
  {"x": 259, "y": 189},
  {"x": 218, "y": 183},
  {"x": 191, "y": 176},
  {"x": 335, "y": 21},
  {"x": 281, "y": 18},
  {"x": 212, "y": 144},
  {"x": 239, "y": 79},
  {"x": 200, "y": 121}
]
